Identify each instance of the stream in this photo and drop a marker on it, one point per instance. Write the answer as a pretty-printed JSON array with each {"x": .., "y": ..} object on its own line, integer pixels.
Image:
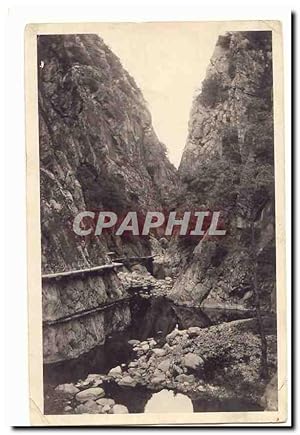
[{"x": 151, "y": 317}]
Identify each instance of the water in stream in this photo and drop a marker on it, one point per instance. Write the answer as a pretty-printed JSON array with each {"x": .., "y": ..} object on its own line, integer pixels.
[{"x": 152, "y": 317}]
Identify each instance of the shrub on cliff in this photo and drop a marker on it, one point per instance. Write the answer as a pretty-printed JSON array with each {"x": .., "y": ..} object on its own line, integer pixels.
[
  {"x": 224, "y": 41},
  {"x": 213, "y": 91},
  {"x": 259, "y": 40},
  {"x": 216, "y": 183},
  {"x": 230, "y": 145}
]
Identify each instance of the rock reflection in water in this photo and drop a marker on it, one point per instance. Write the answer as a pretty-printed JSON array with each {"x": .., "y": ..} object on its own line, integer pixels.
[
  {"x": 166, "y": 401},
  {"x": 187, "y": 317},
  {"x": 151, "y": 317},
  {"x": 154, "y": 317}
]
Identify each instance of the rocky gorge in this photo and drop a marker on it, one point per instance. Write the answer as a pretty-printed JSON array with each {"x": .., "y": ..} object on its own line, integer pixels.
[
  {"x": 228, "y": 164},
  {"x": 126, "y": 318},
  {"x": 215, "y": 366},
  {"x": 98, "y": 150}
]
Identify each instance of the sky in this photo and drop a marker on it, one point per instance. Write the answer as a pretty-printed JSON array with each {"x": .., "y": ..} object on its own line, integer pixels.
[{"x": 168, "y": 62}]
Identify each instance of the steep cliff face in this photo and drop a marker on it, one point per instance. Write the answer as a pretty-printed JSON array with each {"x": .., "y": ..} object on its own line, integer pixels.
[
  {"x": 70, "y": 339},
  {"x": 227, "y": 165},
  {"x": 98, "y": 149}
]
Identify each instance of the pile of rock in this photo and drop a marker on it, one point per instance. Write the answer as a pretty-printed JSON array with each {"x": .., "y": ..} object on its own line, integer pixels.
[
  {"x": 88, "y": 397},
  {"x": 162, "y": 367},
  {"x": 143, "y": 280},
  {"x": 222, "y": 361},
  {"x": 162, "y": 287},
  {"x": 136, "y": 278},
  {"x": 218, "y": 362}
]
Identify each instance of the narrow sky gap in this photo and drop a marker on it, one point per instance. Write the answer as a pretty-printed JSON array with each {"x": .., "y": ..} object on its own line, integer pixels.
[{"x": 168, "y": 66}]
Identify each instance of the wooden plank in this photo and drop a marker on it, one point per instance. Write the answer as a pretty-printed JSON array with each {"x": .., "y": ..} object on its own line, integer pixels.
[
  {"x": 83, "y": 313},
  {"x": 128, "y": 259},
  {"x": 71, "y": 273}
]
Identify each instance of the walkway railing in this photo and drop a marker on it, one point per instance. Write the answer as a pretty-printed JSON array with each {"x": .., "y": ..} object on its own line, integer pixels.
[{"x": 71, "y": 273}]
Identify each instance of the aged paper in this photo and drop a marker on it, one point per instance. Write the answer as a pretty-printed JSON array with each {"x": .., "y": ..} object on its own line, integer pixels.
[{"x": 155, "y": 223}]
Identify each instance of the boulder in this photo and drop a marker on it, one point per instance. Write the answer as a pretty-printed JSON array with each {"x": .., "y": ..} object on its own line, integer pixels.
[
  {"x": 151, "y": 342},
  {"x": 158, "y": 379},
  {"x": 133, "y": 342},
  {"x": 159, "y": 352},
  {"x": 119, "y": 409},
  {"x": 90, "y": 394},
  {"x": 106, "y": 409},
  {"x": 192, "y": 361},
  {"x": 177, "y": 369},
  {"x": 68, "y": 389},
  {"x": 133, "y": 364},
  {"x": 105, "y": 402},
  {"x": 89, "y": 407},
  {"x": 164, "y": 365},
  {"x": 127, "y": 381},
  {"x": 94, "y": 379},
  {"x": 115, "y": 371},
  {"x": 157, "y": 373},
  {"x": 185, "y": 378},
  {"x": 170, "y": 337},
  {"x": 145, "y": 347}
]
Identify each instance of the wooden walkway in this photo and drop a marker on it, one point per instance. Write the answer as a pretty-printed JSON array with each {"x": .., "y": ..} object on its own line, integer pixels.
[
  {"x": 118, "y": 262},
  {"x": 72, "y": 273},
  {"x": 83, "y": 313},
  {"x": 147, "y": 257}
]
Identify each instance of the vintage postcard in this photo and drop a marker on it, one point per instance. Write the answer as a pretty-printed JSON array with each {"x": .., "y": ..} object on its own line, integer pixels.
[{"x": 155, "y": 219}]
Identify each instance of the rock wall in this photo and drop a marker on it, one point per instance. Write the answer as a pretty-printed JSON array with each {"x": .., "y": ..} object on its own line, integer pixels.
[
  {"x": 98, "y": 151},
  {"x": 80, "y": 311},
  {"x": 70, "y": 339},
  {"x": 228, "y": 165},
  {"x": 68, "y": 296}
]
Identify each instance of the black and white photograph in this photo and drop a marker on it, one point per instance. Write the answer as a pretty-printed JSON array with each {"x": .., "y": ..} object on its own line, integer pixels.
[{"x": 158, "y": 222}]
